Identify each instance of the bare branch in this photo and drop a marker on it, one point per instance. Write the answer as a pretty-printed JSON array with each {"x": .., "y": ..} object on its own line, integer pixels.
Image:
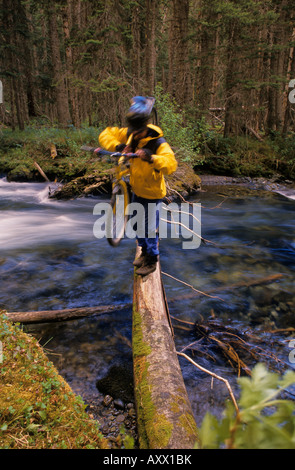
[
  {"x": 215, "y": 376},
  {"x": 189, "y": 285}
]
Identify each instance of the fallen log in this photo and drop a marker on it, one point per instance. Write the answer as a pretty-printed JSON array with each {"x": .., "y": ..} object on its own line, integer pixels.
[
  {"x": 44, "y": 316},
  {"x": 251, "y": 130},
  {"x": 164, "y": 416},
  {"x": 47, "y": 316},
  {"x": 41, "y": 172}
]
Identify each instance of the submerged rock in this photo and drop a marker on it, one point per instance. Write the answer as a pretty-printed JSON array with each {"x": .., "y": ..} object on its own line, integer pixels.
[{"x": 118, "y": 383}]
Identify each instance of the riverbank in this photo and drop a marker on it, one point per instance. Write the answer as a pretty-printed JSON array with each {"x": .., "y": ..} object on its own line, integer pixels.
[
  {"x": 38, "y": 409},
  {"x": 40, "y": 152},
  {"x": 56, "y": 156},
  {"x": 276, "y": 184}
]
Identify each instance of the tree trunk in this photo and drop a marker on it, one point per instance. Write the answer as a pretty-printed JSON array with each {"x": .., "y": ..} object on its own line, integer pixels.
[
  {"x": 150, "y": 52},
  {"x": 233, "y": 102},
  {"x": 179, "y": 71},
  {"x": 207, "y": 52},
  {"x": 291, "y": 75},
  {"x": 164, "y": 416},
  {"x": 279, "y": 61},
  {"x": 13, "y": 65},
  {"x": 136, "y": 45},
  {"x": 73, "y": 94},
  {"x": 62, "y": 103}
]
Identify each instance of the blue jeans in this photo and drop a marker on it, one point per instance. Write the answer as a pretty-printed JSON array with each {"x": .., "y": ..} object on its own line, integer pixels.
[{"x": 150, "y": 243}]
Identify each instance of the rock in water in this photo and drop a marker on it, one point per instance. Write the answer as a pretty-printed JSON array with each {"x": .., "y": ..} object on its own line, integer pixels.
[{"x": 118, "y": 383}]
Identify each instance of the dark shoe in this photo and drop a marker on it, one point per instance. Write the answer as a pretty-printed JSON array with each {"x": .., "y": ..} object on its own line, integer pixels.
[
  {"x": 149, "y": 265},
  {"x": 140, "y": 260}
]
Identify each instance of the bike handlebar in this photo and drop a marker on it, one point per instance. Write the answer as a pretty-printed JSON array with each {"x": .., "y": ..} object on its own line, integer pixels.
[{"x": 100, "y": 151}]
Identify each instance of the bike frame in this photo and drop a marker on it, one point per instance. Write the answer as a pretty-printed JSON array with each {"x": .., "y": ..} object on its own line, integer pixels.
[{"x": 119, "y": 187}]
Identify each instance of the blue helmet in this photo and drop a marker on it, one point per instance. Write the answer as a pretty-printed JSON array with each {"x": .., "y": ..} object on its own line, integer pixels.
[{"x": 140, "y": 111}]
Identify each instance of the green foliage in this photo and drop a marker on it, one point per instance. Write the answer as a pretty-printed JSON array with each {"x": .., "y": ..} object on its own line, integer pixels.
[
  {"x": 264, "y": 420},
  {"x": 179, "y": 134},
  {"x": 40, "y": 134},
  {"x": 19, "y": 150},
  {"x": 284, "y": 145},
  {"x": 246, "y": 12},
  {"x": 246, "y": 156}
]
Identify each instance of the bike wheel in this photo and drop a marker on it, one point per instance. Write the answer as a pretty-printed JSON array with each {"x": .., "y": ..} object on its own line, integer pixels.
[{"x": 116, "y": 216}]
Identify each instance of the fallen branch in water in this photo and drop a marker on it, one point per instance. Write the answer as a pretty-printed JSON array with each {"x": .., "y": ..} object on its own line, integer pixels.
[
  {"x": 189, "y": 285},
  {"x": 182, "y": 321},
  {"x": 290, "y": 329},
  {"x": 239, "y": 348},
  {"x": 237, "y": 285},
  {"x": 204, "y": 240},
  {"x": 41, "y": 172},
  {"x": 46, "y": 316},
  {"x": 215, "y": 376}
]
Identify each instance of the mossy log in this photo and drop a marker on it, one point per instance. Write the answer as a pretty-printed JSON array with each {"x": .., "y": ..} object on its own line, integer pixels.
[{"x": 164, "y": 415}]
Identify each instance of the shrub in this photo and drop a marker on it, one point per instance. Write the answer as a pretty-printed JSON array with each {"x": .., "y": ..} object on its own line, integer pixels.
[
  {"x": 264, "y": 421},
  {"x": 179, "y": 133}
]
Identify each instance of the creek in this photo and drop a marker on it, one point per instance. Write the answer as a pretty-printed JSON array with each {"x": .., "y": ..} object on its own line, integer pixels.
[{"x": 50, "y": 259}]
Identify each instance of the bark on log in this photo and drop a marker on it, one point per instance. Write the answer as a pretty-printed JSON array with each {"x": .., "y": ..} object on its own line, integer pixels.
[
  {"x": 47, "y": 316},
  {"x": 164, "y": 416}
]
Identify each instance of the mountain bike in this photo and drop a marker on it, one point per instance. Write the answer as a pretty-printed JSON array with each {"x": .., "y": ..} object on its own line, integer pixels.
[{"x": 117, "y": 217}]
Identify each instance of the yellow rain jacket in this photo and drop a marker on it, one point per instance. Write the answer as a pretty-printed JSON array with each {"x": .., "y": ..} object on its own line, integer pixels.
[{"x": 146, "y": 179}]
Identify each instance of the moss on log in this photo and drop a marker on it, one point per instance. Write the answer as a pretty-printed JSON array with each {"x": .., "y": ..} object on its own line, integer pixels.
[
  {"x": 164, "y": 414},
  {"x": 183, "y": 181}
]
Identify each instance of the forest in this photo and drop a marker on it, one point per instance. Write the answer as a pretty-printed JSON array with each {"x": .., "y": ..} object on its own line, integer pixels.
[{"x": 78, "y": 62}]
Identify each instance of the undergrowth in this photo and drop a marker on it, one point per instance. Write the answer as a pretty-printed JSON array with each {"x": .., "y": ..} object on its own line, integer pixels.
[
  {"x": 274, "y": 156},
  {"x": 194, "y": 142},
  {"x": 20, "y": 149}
]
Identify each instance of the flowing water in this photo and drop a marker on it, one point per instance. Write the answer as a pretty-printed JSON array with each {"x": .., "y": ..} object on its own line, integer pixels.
[{"x": 50, "y": 259}]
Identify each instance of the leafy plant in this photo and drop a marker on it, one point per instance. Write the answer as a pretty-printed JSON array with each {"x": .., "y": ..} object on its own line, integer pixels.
[
  {"x": 178, "y": 133},
  {"x": 264, "y": 421}
]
